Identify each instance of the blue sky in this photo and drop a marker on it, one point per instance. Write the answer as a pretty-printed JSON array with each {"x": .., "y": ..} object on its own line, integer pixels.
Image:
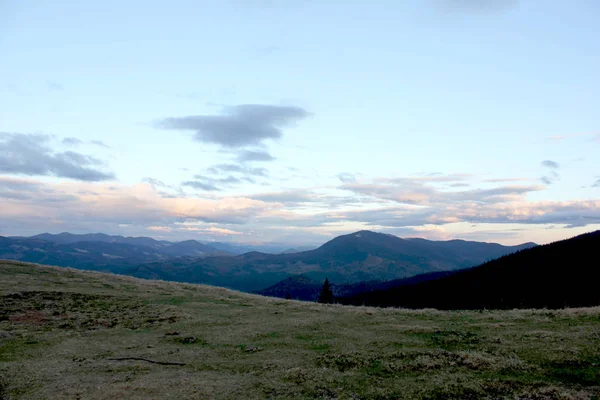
[{"x": 297, "y": 120}]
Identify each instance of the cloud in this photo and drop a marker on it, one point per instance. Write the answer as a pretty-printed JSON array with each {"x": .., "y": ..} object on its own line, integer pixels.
[
  {"x": 346, "y": 177},
  {"x": 100, "y": 144},
  {"x": 200, "y": 185},
  {"x": 155, "y": 182},
  {"x": 420, "y": 191},
  {"x": 550, "y": 164},
  {"x": 30, "y": 154},
  {"x": 571, "y": 213},
  {"x": 298, "y": 215},
  {"x": 287, "y": 197},
  {"x": 220, "y": 176},
  {"x": 432, "y": 177},
  {"x": 597, "y": 184},
  {"x": 21, "y": 189},
  {"x": 552, "y": 176},
  {"x": 501, "y": 180},
  {"x": 215, "y": 184},
  {"x": 71, "y": 141},
  {"x": 459, "y": 184},
  {"x": 96, "y": 205},
  {"x": 220, "y": 168},
  {"x": 239, "y": 126},
  {"x": 254, "y": 155}
]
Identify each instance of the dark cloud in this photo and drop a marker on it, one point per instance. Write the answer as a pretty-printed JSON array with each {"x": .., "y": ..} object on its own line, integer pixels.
[
  {"x": 214, "y": 184},
  {"x": 254, "y": 155},
  {"x": 239, "y": 126},
  {"x": 201, "y": 186},
  {"x": 220, "y": 168},
  {"x": 18, "y": 189},
  {"x": 550, "y": 164},
  {"x": 346, "y": 177},
  {"x": 71, "y": 141},
  {"x": 552, "y": 176},
  {"x": 30, "y": 154},
  {"x": 477, "y": 5}
]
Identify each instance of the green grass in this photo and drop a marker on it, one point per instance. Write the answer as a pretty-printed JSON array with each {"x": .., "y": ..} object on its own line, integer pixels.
[{"x": 60, "y": 330}]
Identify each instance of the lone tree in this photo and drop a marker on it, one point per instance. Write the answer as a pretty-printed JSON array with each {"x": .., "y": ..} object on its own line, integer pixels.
[
  {"x": 288, "y": 296},
  {"x": 326, "y": 295}
]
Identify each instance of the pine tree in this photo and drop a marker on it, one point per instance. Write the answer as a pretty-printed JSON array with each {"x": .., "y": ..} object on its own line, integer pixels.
[
  {"x": 326, "y": 295},
  {"x": 288, "y": 296}
]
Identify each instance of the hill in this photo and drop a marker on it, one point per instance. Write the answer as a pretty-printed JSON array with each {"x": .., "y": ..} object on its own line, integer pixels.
[
  {"x": 560, "y": 274},
  {"x": 359, "y": 257},
  {"x": 77, "y": 334}
]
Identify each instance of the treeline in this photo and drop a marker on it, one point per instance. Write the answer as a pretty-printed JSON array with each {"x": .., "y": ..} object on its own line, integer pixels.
[{"x": 556, "y": 275}]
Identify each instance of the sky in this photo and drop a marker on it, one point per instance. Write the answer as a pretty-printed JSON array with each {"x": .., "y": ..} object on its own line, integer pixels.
[{"x": 294, "y": 121}]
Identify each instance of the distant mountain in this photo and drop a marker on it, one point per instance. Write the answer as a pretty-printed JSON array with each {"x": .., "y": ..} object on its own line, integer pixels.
[
  {"x": 98, "y": 251},
  {"x": 560, "y": 274},
  {"x": 101, "y": 256},
  {"x": 359, "y": 257},
  {"x": 212, "y": 248},
  {"x": 188, "y": 248},
  {"x": 299, "y": 249},
  {"x": 70, "y": 238}
]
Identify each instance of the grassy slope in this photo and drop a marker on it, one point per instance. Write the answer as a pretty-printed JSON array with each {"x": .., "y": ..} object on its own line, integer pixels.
[{"x": 60, "y": 327}]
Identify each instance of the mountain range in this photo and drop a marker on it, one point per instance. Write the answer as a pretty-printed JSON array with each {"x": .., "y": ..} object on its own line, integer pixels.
[
  {"x": 358, "y": 257},
  {"x": 365, "y": 268},
  {"x": 98, "y": 251},
  {"x": 556, "y": 275},
  {"x": 363, "y": 256}
]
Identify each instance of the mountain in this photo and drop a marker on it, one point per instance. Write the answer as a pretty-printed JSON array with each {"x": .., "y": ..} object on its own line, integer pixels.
[
  {"x": 359, "y": 257},
  {"x": 188, "y": 248},
  {"x": 300, "y": 287},
  {"x": 556, "y": 275},
  {"x": 299, "y": 249},
  {"x": 101, "y": 256},
  {"x": 98, "y": 251},
  {"x": 70, "y": 238},
  {"x": 165, "y": 248}
]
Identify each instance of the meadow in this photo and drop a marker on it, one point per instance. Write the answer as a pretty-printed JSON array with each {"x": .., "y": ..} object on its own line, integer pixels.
[{"x": 84, "y": 335}]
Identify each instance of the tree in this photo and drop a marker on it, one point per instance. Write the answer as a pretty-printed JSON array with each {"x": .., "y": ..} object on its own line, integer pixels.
[
  {"x": 326, "y": 295},
  {"x": 288, "y": 296}
]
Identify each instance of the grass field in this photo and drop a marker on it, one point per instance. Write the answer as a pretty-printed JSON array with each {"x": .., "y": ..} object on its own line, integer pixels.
[{"x": 68, "y": 334}]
